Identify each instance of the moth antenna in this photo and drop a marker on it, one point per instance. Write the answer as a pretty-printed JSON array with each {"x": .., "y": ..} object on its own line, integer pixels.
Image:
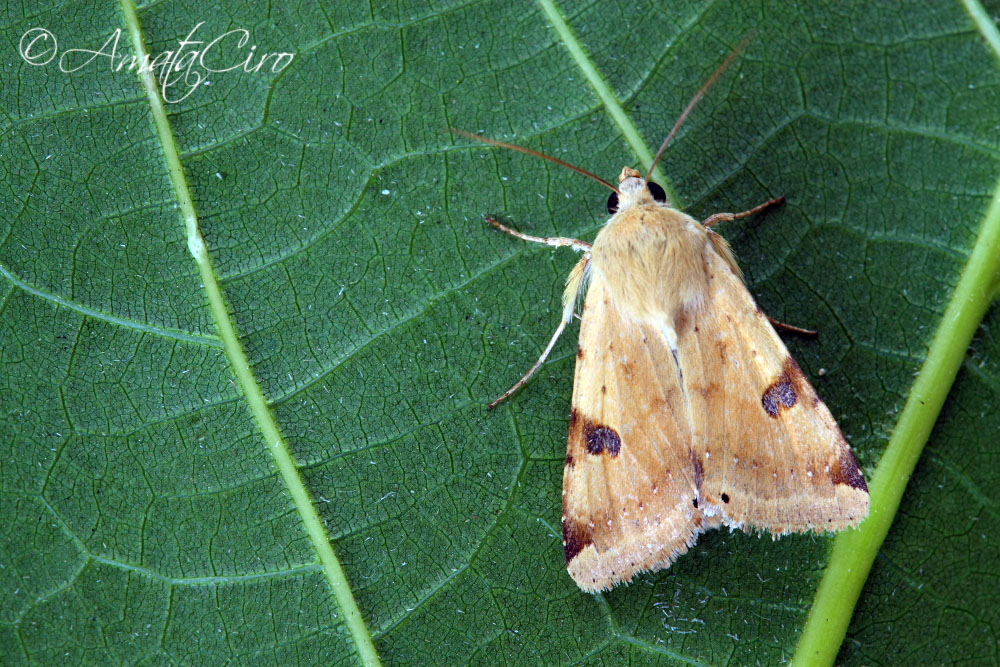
[
  {"x": 697, "y": 98},
  {"x": 522, "y": 149}
]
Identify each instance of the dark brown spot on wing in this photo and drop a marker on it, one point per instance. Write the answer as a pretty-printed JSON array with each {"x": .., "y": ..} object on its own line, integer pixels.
[
  {"x": 576, "y": 538},
  {"x": 725, "y": 497},
  {"x": 847, "y": 471},
  {"x": 699, "y": 471},
  {"x": 799, "y": 382},
  {"x": 598, "y": 439},
  {"x": 569, "y": 460},
  {"x": 699, "y": 474},
  {"x": 579, "y": 352},
  {"x": 595, "y": 438},
  {"x": 780, "y": 395}
]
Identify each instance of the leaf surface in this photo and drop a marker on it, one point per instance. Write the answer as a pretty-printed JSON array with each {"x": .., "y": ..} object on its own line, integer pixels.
[{"x": 144, "y": 517}]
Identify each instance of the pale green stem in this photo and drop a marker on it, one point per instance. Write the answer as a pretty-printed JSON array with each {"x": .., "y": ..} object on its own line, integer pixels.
[
  {"x": 984, "y": 24},
  {"x": 606, "y": 95},
  {"x": 854, "y": 551},
  {"x": 237, "y": 358}
]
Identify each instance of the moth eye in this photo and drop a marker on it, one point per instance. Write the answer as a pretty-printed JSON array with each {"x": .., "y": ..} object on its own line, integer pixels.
[
  {"x": 613, "y": 203},
  {"x": 657, "y": 192}
]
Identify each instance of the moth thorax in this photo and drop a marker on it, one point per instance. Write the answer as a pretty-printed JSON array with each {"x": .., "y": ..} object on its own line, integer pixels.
[{"x": 654, "y": 261}]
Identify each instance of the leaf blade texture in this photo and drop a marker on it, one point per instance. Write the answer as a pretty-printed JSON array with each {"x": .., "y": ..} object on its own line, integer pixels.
[{"x": 145, "y": 518}]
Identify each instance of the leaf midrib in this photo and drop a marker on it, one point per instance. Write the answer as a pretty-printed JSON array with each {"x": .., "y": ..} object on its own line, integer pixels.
[
  {"x": 252, "y": 391},
  {"x": 614, "y": 107},
  {"x": 854, "y": 552}
]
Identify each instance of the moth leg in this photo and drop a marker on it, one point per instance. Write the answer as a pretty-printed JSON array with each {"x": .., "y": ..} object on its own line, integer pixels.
[
  {"x": 725, "y": 217},
  {"x": 574, "y": 284},
  {"x": 554, "y": 241},
  {"x": 789, "y": 327},
  {"x": 520, "y": 383}
]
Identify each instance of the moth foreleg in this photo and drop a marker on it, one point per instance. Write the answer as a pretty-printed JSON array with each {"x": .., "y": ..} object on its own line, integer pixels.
[
  {"x": 554, "y": 241},
  {"x": 725, "y": 217},
  {"x": 574, "y": 284}
]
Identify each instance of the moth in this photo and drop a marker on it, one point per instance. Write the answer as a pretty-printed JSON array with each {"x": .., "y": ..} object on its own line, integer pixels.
[{"x": 688, "y": 413}]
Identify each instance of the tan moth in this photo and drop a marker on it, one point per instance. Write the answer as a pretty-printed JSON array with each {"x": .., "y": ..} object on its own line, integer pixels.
[{"x": 688, "y": 413}]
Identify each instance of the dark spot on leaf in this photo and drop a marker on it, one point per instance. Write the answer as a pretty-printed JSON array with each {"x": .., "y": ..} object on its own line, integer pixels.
[
  {"x": 725, "y": 497},
  {"x": 576, "y": 537}
]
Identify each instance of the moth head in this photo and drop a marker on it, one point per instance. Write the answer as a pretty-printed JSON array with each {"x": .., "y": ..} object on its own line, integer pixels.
[{"x": 634, "y": 190}]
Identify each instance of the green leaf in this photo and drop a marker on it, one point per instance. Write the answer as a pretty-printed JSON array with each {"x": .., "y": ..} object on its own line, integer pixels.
[{"x": 190, "y": 438}]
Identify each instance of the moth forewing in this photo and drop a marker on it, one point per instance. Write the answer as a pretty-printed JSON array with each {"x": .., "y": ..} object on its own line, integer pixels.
[
  {"x": 771, "y": 453},
  {"x": 626, "y": 508}
]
